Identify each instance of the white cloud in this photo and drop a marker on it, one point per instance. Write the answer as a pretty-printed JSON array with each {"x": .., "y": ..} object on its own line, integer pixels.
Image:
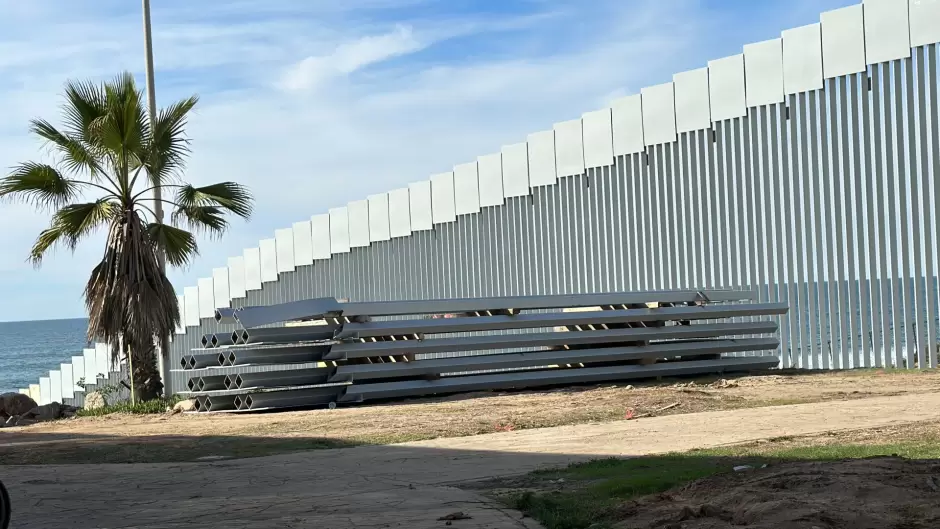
[{"x": 349, "y": 57}]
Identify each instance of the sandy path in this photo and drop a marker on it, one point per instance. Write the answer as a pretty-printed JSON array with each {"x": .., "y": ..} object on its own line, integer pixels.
[
  {"x": 405, "y": 485},
  {"x": 489, "y": 412}
]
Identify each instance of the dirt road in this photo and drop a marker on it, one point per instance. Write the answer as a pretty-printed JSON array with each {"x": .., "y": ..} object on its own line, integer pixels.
[
  {"x": 115, "y": 439},
  {"x": 405, "y": 485}
]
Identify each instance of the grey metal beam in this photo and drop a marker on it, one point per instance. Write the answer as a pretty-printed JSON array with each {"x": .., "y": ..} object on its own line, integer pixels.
[
  {"x": 203, "y": 360},
  {"x": 438, "y": 366},
  {"x": 400, "y": 308},
  {"x": 210, "y": 383},
  {"x": 319, "y": 308},
  {"x": 553, "y": 319},
  {"x": 221, "y": 339},
  {"x": 316, "y": 308},
  {"x": 299, "y": 377},
  {"x": 509, "y": 341},
  {"x": 276, "y": 355},
  {"x": 226, "y": 316},
  {"x": 312, "y": 333},
  {"x": 219, "y": 403},
  {"x": 253, "y": 391},
  {"x": 292, "y": 398},
  {"x": 360, "y": 393}
]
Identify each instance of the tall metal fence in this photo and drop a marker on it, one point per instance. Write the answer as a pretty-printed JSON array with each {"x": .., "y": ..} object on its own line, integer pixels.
[{"x": 804, "y": 168}]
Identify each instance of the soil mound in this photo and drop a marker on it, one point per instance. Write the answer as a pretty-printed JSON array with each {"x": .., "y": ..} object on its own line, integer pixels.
[{"x": 876, "y": 493}]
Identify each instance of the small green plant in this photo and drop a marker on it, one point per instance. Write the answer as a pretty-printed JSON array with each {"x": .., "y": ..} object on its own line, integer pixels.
[
  {"x": 104, "y": 390},
  {"x": 149, "y": 407}
]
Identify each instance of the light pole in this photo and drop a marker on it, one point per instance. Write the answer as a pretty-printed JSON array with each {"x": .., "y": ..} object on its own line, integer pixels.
[
  {"x": 152, "y": 102},
  {"x": 164, "y": 341}
]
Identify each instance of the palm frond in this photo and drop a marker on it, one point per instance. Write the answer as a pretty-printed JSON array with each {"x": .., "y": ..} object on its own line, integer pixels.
[
  {"x": 75, "y": 155},
  {"x": 123, "y": 127},
  {"x": 70, "y": 225},
  {"x": 178, "y": 245},
  {"x": 40, "y": 185},
  {"x": 201, "y": 219},
  {"x": 84, "y": 104},
  {"x": 169, "y": 146},
  {"x": 227, "y": 196}
]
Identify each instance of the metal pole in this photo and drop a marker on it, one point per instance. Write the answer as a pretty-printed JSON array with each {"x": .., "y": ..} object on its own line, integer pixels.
[
  {"x": 152, "y": 103},
  {"x": 157, "y": 192}
]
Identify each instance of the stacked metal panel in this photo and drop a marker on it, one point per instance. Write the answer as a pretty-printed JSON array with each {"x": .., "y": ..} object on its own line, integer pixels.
[{"x": 354, "y": 352}]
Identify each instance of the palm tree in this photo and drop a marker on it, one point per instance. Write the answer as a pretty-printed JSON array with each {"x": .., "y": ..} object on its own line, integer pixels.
[{"x": 106, "y": 160}]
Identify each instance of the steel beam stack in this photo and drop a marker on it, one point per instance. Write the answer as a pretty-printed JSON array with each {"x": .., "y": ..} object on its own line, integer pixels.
[{"x": 336, "y": 352}]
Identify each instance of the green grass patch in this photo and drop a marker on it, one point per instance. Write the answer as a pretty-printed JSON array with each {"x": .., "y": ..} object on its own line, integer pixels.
[
  {"x": 591, "y": 494},
  {"x": 149, "y": 407}
]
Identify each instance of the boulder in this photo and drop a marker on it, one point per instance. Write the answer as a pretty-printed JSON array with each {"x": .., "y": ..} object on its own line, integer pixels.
[
  {"x": 95, "y": 400},
  {"x": 15, "y": 404},
  {"x": 46, "y": 412},
  {"x": 23, "y": 421},
  {"x": 184, "y": 406}
]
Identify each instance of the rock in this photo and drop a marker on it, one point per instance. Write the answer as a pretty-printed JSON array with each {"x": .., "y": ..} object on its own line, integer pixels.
[
  {"x": 15, "y": 404},
  {"x": 46, "y": 412},
  {"x": 184, "y": 406},
  {"x": 95, "y": 400}
]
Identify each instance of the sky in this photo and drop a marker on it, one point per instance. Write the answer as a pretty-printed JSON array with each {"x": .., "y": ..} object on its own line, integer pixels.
[{"x": 313, "y": 104}]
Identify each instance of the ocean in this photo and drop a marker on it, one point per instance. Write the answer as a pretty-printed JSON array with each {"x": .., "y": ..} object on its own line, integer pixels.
[{"x": 29, "y": 349}]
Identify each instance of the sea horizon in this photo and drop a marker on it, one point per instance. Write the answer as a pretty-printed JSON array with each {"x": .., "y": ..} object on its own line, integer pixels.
[
  {"x": 2, "y": 322},
  {"x": 29, "y": 349}
]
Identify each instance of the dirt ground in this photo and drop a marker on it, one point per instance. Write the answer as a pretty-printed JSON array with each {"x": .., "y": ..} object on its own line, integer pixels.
[
  {"x": 872, "y": 493},
  {"x": 415, "y": 484},
  {"x": 831, "y": 480},
  {"x": 876, "y": 493},
  {"x": 455, "y": 416}
]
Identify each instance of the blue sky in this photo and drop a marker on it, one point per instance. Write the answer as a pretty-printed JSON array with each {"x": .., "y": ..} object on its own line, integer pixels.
[{"x": 313, "y": 104}]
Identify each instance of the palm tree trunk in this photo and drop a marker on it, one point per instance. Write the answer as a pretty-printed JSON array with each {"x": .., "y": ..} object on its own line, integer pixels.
[{"x": 146, "y": 374}]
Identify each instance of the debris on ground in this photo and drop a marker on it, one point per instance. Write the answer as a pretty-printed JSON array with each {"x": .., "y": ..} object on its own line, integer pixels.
[
  {"x": 799, "y": 495},
  {"x": 454, "y": 516},
  {"x": 631, "y": 415},
  {"x": 183, "y": 406}
]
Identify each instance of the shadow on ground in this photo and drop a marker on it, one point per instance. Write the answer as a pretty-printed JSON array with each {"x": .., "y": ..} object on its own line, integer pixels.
[
  {"x": 833, "y": 486},
  {"x": 24, "y": 448}
]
